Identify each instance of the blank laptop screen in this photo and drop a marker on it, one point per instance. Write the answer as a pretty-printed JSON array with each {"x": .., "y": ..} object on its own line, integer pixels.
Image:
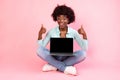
[{"x": 61, "y": 45}]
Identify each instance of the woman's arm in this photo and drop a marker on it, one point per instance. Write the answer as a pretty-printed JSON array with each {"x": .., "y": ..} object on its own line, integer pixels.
[
  {"x": 83, "y": 43},
  {"x": 82, "y": 32},
  {"x": 41, "y": 41},
  {"x": 42, "y": 31}
]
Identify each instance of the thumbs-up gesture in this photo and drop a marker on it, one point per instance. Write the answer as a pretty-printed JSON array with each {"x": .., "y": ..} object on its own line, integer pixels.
[
  {"x": 41, "y": 31},
  {"x": 82, "y": 32}
]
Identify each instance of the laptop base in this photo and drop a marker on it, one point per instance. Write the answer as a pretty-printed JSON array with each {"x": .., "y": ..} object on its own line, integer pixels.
[{"x": 61, "y": 54}]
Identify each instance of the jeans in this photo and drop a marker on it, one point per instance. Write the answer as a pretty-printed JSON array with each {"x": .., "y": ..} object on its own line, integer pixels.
[{"x": 61, "y": 62}]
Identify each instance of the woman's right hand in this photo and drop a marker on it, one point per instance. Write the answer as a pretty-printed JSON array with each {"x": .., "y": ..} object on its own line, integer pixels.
[{"x": 41, "y": 31}]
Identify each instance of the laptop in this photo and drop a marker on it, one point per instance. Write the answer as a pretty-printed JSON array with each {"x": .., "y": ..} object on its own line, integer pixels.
[{"x": 61, "y": 46}]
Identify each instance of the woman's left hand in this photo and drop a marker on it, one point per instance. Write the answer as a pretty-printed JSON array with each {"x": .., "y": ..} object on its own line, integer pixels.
[{"x": 81, "y": 30}]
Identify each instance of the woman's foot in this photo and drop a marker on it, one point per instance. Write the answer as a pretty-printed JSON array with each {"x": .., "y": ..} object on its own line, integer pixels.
[
  {"x": 70, "y": 70},
  {"x": 48, "y": 67}
]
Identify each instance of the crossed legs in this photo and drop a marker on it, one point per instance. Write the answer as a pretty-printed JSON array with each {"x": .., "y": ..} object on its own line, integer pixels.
[{"x": 61, "y": 65}]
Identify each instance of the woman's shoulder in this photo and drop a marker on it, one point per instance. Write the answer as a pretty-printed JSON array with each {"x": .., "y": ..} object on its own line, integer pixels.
[
  {"x": 52, "y": 30},
  {"x": 72, "y": 29}
]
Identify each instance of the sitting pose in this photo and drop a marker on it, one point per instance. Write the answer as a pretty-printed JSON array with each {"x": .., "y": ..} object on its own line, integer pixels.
[{"x": 63, "y": 15}]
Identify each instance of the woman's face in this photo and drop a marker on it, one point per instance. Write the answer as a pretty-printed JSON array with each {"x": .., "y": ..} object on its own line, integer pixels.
[{"x": 62, "y": 21}]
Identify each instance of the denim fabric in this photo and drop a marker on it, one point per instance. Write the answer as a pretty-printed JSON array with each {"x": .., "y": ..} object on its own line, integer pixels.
[{"x": 61, "y": 62}]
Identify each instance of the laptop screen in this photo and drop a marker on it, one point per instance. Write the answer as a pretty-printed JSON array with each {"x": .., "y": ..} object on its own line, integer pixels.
[{"x": 61, "y": 45}]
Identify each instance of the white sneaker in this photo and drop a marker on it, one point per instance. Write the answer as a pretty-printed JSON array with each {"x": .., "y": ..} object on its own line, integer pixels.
[
  {"x": 48, "y": 67},
  {"x": 70, "y": 70}
]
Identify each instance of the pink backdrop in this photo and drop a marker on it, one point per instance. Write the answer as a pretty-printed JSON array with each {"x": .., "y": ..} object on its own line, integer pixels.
[{"x": 20, "y": 21}]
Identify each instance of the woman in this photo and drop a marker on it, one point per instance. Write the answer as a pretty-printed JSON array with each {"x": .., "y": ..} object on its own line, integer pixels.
[{"x": 63, "y": 15}]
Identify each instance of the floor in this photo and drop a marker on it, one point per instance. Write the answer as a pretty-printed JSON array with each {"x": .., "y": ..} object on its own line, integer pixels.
[{"x": 31, "y": 70}]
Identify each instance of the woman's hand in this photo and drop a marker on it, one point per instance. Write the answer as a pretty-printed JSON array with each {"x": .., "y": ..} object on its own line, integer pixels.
[
  {"x": 41, "y": 31},
  {"x": 82, "y": 32}
]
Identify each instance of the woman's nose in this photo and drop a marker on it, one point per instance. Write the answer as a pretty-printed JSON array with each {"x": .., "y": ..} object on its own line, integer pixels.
[{"x": 61, "y": 20}]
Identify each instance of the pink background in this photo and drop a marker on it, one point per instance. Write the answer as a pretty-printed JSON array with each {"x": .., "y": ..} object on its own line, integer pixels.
[{"x": 20, "y": 21}]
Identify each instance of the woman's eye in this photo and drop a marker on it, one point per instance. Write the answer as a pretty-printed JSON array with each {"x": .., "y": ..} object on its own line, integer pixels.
[{"x": 58, "y": 18}]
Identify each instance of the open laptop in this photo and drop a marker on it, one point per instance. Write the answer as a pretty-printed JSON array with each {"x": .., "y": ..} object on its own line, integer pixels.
[{"x": 61, "y": 46}]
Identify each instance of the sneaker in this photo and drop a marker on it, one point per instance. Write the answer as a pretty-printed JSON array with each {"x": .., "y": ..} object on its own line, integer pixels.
[
  {"x": 48, "y": 67},
  {"x": 70, "y": 70}
]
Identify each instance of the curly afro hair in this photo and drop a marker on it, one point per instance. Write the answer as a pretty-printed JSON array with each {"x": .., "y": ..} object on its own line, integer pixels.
[{"x": 63, "y": 10}]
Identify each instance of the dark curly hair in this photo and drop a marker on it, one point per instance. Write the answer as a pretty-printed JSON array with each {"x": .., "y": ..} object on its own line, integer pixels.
[{"x": 63, "y": 10}]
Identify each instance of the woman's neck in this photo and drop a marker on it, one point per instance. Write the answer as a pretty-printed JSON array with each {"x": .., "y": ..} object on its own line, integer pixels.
[{"x": 63, "y": 29}]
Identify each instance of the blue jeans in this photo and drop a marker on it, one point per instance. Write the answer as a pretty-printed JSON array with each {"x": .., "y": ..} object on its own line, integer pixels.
[{"x": 61, "y": 62}]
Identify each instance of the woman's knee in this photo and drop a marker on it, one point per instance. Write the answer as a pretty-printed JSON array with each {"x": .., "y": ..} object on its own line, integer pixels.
[
  {"x": 42, "y": 52},
  {"x": 81, "y": 54},
  {"x": 84, "y": 54},
  {"x": 38, "y": 51}
]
